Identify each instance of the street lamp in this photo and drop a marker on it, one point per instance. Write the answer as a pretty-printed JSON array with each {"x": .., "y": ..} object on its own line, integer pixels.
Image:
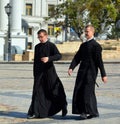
[
  {"x": 66, "y": 27},
  {"x": 66, "y": 22},
  {"x": 8, "y": 12}
]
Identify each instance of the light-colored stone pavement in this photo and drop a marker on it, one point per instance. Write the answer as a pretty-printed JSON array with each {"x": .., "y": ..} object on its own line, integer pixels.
[{"x": 16, "y": 83}]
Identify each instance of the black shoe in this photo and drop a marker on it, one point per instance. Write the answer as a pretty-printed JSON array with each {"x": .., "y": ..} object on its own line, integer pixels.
[
  {"x": 92, "y": 116},
  {"x": 83, "y": 116},
  {"x": 64, "y": 111},
  {"x": 31, "y": 117}
]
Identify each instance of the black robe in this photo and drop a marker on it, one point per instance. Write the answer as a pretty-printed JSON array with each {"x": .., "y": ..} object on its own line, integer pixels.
[
  {"x": 48, "y": 96},
  {"x": 90, "y": 59}
]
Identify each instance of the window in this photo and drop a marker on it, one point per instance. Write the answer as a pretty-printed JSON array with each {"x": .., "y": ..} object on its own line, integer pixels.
[
  {"x": 29, "y": 31},
  {"x": 51, "y": 10},
  {"x": 29, "y": 9},
  {"x": 29, "y": 46},
  {"x": 50, "y": 29}
]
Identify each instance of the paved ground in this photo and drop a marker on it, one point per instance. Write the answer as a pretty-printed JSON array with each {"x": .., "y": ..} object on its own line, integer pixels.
[{"x": 16, "y": 82}]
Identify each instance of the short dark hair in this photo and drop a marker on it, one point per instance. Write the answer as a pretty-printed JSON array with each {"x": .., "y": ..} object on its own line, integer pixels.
[{"x": 42, "y": 31}]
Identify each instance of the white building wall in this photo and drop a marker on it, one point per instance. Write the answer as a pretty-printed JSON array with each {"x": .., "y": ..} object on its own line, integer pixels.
[
  {"x": 37, "y": 8},
  {"x": 36, "y": 21},
  {"x": 22, "y": 7},
  {"x": 16, "y": 14},
  {"x": 2, "y": 43},
  {"x": 19, "y": 41},
  {"x": 3, "y": 15},
  {"x": 43, "y": 8},
  {"x": 3, "y": 27},
  {"x": 18, "y": 38}
]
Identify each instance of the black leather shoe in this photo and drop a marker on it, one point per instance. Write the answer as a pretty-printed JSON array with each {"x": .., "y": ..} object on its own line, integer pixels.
[
  {"x": 83, "y": 116},
  {"x": 31, "y": 117},
  {"x": 92, "y": 116},
  {"x": 64, "y": 111}
]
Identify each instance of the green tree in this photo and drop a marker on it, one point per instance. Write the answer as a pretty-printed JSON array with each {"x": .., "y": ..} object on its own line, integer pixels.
[
  {"x": 73, "y": 13},
  {"x": 100, "y": 11}
]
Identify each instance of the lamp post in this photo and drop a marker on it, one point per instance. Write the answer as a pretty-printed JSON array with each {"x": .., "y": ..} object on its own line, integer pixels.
[
  {"x": 8, "y": 54},
  {"x": 66, "y": 27},
  {"x": 66, "y": 22}
]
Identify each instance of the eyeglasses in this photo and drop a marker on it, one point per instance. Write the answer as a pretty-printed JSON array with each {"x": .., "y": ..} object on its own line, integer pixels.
[{"x": 40, "y": 36}]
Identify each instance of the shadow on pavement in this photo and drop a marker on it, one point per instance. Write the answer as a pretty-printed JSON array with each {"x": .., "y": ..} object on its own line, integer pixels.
[
  {"x": 67, "y": 117},
  {"x": 13, "y": 114}
]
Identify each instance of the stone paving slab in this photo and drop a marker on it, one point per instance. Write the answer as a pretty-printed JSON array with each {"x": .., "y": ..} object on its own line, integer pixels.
[{"x": 16, "y": 81}]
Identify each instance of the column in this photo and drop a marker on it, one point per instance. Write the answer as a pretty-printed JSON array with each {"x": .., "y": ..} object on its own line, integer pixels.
[
  {"x": 3, "y": 15},
  {"x": 22, "y": 7},
  {"x": 44, "y": 8},
  {"x": 16, "y": 16},
  {"x": 37, "y": 7}
]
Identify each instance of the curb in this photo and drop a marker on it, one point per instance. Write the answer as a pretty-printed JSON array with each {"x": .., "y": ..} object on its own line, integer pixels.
[{"x": 57, "y": 62}]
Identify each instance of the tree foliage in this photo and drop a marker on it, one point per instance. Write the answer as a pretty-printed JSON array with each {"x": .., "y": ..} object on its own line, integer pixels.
[
  {"x": 102, "y": 11},
  {"x": 98, "y": 12}
]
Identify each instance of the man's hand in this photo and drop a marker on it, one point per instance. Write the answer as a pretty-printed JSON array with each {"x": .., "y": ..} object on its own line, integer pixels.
[
  {"x": 104, "y": 79},
  {"x": 44, "y": 59},
  {"x": 70, "y": 72}
]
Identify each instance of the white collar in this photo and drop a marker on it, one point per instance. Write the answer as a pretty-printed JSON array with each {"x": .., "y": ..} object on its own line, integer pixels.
[
  {"x": 89, "y": 39},
  {"x": 44, "y": 41}
]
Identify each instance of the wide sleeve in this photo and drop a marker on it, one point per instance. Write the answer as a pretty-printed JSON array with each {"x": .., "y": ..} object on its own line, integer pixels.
[
  {"x": 54, "y": 53},
  {"x": 76, "y": 59},
  {"x": 99, "y": 60}
]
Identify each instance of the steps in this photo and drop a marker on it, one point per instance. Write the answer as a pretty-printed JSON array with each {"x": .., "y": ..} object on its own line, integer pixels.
[{"x": 111, "y": 50}]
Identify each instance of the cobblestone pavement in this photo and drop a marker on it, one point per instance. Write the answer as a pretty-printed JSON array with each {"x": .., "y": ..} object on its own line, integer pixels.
[{"x": 16, "y": 81}]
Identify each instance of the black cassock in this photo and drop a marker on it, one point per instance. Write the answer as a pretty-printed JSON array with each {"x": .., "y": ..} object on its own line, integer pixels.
[
  {"x": 90, "y": 59},
  {"x": 48, "y": 96}
]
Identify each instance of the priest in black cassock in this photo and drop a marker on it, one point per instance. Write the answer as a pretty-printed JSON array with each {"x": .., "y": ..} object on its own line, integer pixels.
[
  {"x": 89, "y": 57},
  {"x": 48, "y": 96}
]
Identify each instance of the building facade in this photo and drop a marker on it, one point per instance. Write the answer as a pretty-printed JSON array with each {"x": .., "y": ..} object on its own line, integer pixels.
[{"x": 26, "y": 18}]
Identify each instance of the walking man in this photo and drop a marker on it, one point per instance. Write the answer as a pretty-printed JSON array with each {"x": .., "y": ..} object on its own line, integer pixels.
[
  {"x": 48, "y": 96},
  {"x": 90, "y": 58}
]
